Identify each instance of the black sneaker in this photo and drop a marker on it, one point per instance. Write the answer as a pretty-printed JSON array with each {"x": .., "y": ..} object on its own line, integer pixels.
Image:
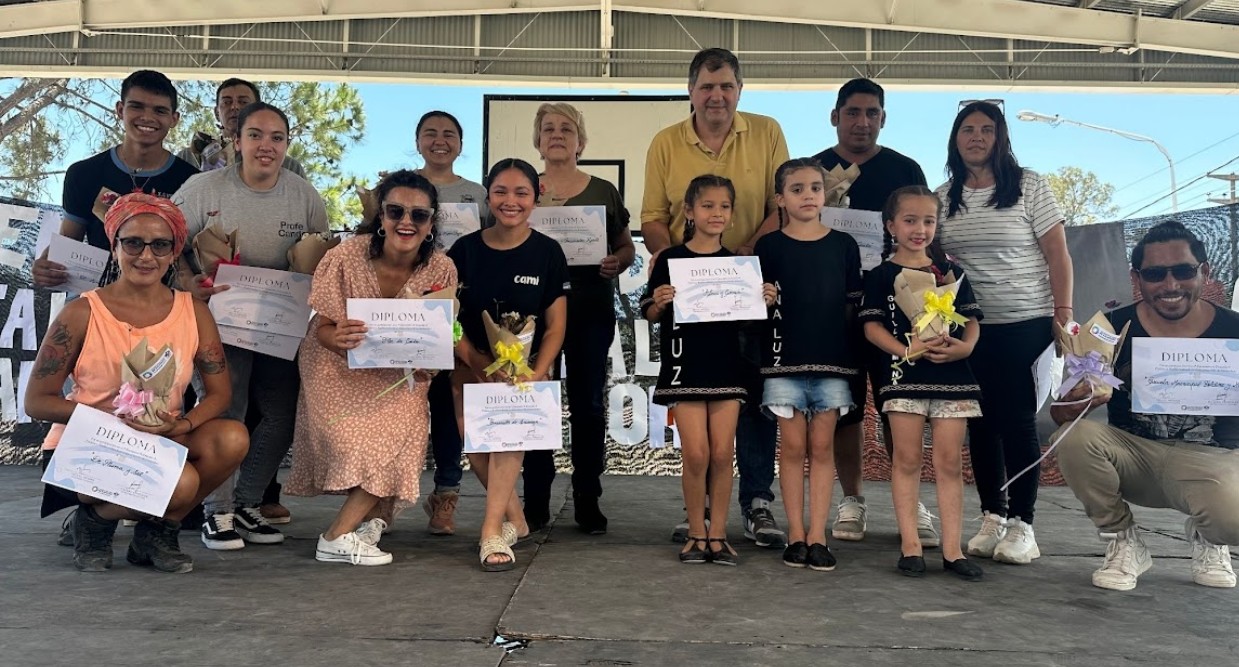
[
  {"x": 911, "y": 566},
  {"x": 156, "y": 542},
  {"x": 820, "y": 558},
  {"x": 796, "y": 554},
  {"x": 589, "y": 517},
  {"x": 964, "y": 569},
  {"x": 252, "y": 527},
  {"x": 218, "y": 533},
  {"x": 760, "y": 526},
  {"x": 66, "y": 530},
  {"x": 92, "y": 540}
]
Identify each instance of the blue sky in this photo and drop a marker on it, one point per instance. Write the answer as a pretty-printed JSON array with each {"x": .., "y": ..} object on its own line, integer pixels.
[{"x": 1198, "y": 130}]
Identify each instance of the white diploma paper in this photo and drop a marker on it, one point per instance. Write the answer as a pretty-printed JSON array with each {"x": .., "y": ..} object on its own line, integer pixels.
[
  {"x": 101, "y": 457},
  {"x": 1185, "y": 376},
  {"x": 83, "y": 262},
  {"x": 263, "y": 300},
  {"x": 270, "y": 344},
  {"x": 403, "y": 333},
  {"x": 864, "y": 226},
  {"x": 1047, "y": 373},
  {"x": 717, "y": 289},
  {"x": 580, "y": 230},
  {"x": 456, "y": 220},
  {"x": 500, "y": 417}
]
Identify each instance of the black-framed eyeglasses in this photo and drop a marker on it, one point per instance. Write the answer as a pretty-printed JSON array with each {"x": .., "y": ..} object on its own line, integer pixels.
[
  {"x": 419, "y": 215},
  {"x": 135, "y": 246},
  {"x": 1001, "y": 104},
  {"x": 1156, "y": 274}
]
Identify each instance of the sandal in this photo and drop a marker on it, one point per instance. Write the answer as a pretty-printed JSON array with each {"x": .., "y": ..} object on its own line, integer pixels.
[
  {"x": 695, "y": 555},
  {"x": 496, "y": 545},
  {"x": 724, "y": 556}
]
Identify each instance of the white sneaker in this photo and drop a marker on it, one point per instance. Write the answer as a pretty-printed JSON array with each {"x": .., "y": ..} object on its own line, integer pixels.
[
  {"x": 850, "y": 519},
  {"x": 1210, "y": 562},
  {"x": 993, "y": 529},
  {"x": 1127, "y": 558},
  {"x": 925, "y": 527},
  {"x": 349, "y": 548},
  {"x": 1019, "y": 545},
  {"x": 371, "y": 531}
]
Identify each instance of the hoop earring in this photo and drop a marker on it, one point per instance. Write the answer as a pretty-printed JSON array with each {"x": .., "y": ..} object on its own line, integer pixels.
[
  {"x": 429, "y": 238},
  {"x": 381, "y": 232}
]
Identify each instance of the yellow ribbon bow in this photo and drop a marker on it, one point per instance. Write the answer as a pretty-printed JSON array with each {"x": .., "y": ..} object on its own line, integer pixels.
[
  {"x": 510, "y": 354},
  {"x": 937, "y": 305}
]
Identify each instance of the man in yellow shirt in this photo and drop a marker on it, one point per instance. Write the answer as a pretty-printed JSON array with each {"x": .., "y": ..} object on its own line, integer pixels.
[{"x": 748, "y": 149}]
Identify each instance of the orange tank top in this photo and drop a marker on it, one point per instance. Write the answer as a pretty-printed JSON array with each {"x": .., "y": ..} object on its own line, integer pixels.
[{"x": 96, "y": 376}]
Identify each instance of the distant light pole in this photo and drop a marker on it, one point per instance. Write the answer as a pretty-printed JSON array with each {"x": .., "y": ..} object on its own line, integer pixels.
[{"x": 1055, "y": 121}]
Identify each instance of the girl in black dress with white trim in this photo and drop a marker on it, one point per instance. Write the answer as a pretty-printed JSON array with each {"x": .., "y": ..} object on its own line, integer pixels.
[
  {"x": 702, "y": 376},
  {"x": 938, "y": 385}
]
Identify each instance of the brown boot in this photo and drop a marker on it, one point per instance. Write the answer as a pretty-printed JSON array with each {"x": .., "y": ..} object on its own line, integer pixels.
[{"x": 441, "y": 508}]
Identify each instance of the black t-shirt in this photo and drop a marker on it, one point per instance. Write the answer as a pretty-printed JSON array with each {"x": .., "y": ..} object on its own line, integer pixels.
[
  {"x": 526, "y": 280},
  {"x": 589, "y": 288},
  {"x": 807, "y": 332},
  {"x": 1206, "y": 430},
  {"x": 881, "y": 175},
  {"x": 923, "y": 378},
  {"x": 94, "y": 183}
]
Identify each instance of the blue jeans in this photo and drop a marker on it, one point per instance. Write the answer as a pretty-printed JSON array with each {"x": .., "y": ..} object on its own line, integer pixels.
[
  {"x": 270, "y": 386},
  {"x": 755, "y": 434},
  {"x": 445, "y": 441}
]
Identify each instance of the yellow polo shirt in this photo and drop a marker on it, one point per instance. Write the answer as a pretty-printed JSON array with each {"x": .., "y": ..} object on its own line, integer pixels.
[{"x": 751, "y": 154}]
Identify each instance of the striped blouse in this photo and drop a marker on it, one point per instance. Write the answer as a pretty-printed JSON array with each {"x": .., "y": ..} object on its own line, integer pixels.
[{"x": 999, "y": 248}]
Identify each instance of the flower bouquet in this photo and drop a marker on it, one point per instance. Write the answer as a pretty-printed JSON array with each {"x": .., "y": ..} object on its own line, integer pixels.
[
  {"x": 147, "y": 378},
  {"x": 308, "y": 251},
  {"x": 438, "y": 291},
  {"x": 928, "y": 300},
  {"x": 1088, "y": 355},
  {"x": 509, "y": 340},
  {"x": 212, "y": 247}
]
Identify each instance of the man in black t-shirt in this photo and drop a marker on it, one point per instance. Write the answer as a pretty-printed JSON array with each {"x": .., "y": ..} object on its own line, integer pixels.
[
  {"x": 1188, "y": 462},
  {"x": 147, "y": 110},
  {"x": 858, "y": 117}
]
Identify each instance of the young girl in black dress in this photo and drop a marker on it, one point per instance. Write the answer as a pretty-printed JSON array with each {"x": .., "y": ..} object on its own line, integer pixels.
[
  {"x": 924, "y": 379},
  {"x": 702, "y": 374}
]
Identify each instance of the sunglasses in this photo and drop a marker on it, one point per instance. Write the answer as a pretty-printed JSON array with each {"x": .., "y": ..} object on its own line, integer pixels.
[
  {"x": 417, "y": 214},
  {"x": 135, "y": 246},
  {"x": 1156, "y": 274},
  {"x": 1001, "y": 104}
]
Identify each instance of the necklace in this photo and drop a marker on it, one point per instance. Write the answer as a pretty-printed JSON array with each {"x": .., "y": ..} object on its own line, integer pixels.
[{"x": 133, "y": 173}]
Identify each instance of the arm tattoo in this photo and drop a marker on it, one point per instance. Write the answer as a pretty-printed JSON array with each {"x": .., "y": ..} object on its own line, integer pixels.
[
  {"x": 210, "y": 359},
  {"x": 55, "y": 353}
]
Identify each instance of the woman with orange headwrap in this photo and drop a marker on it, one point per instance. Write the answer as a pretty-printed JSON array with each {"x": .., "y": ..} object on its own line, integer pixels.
[{"x": 87, "y": 342}]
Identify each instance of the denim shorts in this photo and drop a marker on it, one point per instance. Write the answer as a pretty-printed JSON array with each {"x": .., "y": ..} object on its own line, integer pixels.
[{"x": 805, "y": 394}]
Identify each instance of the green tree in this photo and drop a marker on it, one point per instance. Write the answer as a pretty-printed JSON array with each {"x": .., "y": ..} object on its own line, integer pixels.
[
  {"x": 39, "y": 117},
  {"x": 1083, "y": 198}
]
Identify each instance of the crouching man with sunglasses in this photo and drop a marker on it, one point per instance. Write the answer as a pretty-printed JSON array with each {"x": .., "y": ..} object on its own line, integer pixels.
[{"x": 1188, "y": 462}]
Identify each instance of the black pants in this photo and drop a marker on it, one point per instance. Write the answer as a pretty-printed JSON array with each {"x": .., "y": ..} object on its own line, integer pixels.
[
  {"x": 1004, "y": 441},
  {"x": 591, "y": 328}
]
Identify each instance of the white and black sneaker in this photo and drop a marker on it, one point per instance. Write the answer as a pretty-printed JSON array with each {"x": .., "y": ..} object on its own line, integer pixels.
[
  {"x": 253, "y": 527},
  {"x": 760, "y": 526},
  {"x": 218, "y": 533}
]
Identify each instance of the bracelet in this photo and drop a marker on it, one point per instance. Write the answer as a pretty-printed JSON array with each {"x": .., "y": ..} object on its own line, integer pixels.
[
  {"x": 1063, "y": 308},
  {"x": 187, "y": 420}
]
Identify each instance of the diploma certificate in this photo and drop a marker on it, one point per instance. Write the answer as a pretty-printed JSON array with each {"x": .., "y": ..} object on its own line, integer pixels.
[
  {"x": 102, "y": 457},
  {"x": 263, "y": 300},
  {"x": 717, "y": 289},
  {"x": 403, "y": 333},
  {"x": 501, "y": 417},
  {"x": 580, "y": 230},
  {"x": 84, "y": 263},
  {"x": 864, "y": 226},
  {"x": 456, "y": 220},
  {"x": 1185, "y": 376}
]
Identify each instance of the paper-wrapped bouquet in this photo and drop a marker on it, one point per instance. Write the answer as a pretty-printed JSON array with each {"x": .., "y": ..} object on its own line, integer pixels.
[
  {"x": 510, "y": 340},
  {"x": 1088, "y": 353},
  {"x": 838, "y": 181},
  {"x": 212, "y": 247},
  {"x": 308, "y": 251},
  {"x": 147, "y": 379},
  {"x": 928, "y": 301}
]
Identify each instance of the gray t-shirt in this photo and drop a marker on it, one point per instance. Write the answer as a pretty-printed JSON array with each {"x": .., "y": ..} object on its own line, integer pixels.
[
  {"x": 464, "y": 191},
  {"x": 270, "y": 222}
]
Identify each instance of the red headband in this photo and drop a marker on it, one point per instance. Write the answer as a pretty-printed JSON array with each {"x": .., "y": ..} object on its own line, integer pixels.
[{"x": 139, "y": 203}]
